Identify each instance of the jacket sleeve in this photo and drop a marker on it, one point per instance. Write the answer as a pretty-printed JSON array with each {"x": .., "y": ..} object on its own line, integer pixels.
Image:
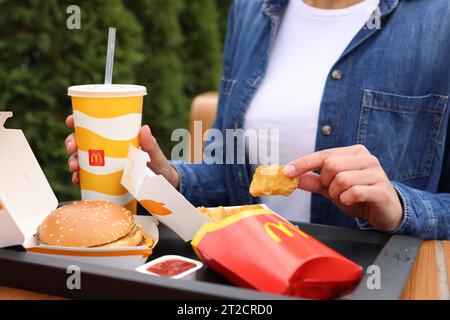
[
  {"x": 204, "y": 184},
  {"x": 425, "y": 214}
]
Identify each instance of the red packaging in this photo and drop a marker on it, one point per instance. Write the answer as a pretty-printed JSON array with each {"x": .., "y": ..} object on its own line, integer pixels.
[{"x": 258, "y": 249}]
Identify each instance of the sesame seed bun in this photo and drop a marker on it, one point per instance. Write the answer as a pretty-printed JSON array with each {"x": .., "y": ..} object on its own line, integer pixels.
[
  {"x": 90, "y": 223},
  {"x": 135, "y": 238}
]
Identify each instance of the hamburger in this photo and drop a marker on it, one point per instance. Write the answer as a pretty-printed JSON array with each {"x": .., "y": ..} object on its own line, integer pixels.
[{"x": 92, "y": 224}]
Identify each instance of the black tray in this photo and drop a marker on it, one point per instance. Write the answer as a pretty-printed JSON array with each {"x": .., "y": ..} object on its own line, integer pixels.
[{"x": 394, "y": 255}]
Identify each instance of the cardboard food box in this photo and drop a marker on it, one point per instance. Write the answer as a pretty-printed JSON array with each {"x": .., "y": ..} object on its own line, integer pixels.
[
  {"x": 26, "y": 198},
  {"x": 254, "y": 248},
  {"x": 159, "y": 197}
]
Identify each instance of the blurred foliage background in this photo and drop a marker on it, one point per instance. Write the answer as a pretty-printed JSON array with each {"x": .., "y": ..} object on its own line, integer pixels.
[{"x": 173, "y": 47}]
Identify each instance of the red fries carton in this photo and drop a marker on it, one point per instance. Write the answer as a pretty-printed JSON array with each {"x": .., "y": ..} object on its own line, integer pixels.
[{"x": 258, "y": 249}]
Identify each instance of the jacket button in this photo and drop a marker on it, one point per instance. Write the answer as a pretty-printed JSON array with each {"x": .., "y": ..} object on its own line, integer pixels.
[
  {"x": 326, "y": 130},
  {"x": 336, "y": 74}
]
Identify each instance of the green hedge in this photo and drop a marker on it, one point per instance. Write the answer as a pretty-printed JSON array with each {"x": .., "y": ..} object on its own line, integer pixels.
[{"x": 173, "y": 47}]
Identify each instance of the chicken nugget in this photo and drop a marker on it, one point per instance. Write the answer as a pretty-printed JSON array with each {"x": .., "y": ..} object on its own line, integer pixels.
[{"x": 270, "y": 180}]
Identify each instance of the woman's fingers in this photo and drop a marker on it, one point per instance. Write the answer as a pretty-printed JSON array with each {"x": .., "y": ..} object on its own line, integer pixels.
[
  {"x": 147, "y": 141},
  {"x": 310, "y": 181},
  {"x": 76, "y": 178},
  {"x": 158, "y": 162},
  {"x": 316, "y": 160},
  {"x": 73, "y": 163},
  {"x": 345, "y": 180},
  {"x": 71, "y": 144},
  {"x": 360, "y": 194},
  {"x": 70, "y": 121},
  {"x": 71, "y": 147},
  {"x": 337, "y": 164},
  {"x": 149, "y": 144}
]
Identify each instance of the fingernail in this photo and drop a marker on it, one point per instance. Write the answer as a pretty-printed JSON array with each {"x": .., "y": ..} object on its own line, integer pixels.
[{"x": 289, "y": 170}]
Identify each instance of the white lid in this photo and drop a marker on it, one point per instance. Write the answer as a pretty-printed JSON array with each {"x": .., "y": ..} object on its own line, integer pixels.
[{"x": 107, "y": 90}]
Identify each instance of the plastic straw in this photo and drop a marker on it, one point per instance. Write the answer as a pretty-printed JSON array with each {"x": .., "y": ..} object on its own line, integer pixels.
[{"x": 110, "y": 55}]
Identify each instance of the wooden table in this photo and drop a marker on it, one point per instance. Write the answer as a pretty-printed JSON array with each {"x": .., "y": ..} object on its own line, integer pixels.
[
  {"x": 17, "y": 294},
  {"x": 429, "y": 278}
]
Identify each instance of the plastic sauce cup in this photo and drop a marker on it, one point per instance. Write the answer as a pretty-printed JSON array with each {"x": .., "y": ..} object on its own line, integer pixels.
[{"x": 163, "y": 266}]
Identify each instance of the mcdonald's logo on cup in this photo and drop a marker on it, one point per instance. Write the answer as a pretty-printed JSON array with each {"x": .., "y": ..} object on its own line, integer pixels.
[
  {"x": 285, "y": 228},
  {"x": 97, "y": 158}
]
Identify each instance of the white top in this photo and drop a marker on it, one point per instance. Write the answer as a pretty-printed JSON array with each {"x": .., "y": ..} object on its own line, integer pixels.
[
  {"x": 107, "y": 90},
  {"x": 309, "y": 42}
]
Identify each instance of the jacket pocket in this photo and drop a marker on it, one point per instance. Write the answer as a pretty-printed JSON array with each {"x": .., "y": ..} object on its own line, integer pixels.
[{"x": 402, "y": 131}]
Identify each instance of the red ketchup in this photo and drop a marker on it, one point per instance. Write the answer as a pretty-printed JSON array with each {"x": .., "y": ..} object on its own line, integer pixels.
[{"x": 170, "y": 267}]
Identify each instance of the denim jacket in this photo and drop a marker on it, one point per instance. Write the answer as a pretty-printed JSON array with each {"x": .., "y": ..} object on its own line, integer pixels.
[{"x": 391, "y": 96}]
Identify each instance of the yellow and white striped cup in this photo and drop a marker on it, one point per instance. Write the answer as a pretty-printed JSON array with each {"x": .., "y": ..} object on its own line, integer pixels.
[{"x": 107, "y": 120}]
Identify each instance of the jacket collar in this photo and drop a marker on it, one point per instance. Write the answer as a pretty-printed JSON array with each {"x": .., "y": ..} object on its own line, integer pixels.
[
  {"x": 387, "y": 6},
  {"x": 276, "y": 7}
]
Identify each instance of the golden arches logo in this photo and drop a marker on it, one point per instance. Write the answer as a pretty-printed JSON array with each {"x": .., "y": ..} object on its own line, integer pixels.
[
  {"x": 285, "y": 228},
  {"x": 97, "y": 158}
]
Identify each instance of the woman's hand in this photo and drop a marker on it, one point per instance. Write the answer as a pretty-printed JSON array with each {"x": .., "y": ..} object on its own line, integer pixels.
[
  {"x": 159, "y": 163},
  {"x": 353, "y": 180}
]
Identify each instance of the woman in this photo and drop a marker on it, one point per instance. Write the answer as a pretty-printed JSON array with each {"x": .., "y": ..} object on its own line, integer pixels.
[{"x": 371, "y": 99}]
